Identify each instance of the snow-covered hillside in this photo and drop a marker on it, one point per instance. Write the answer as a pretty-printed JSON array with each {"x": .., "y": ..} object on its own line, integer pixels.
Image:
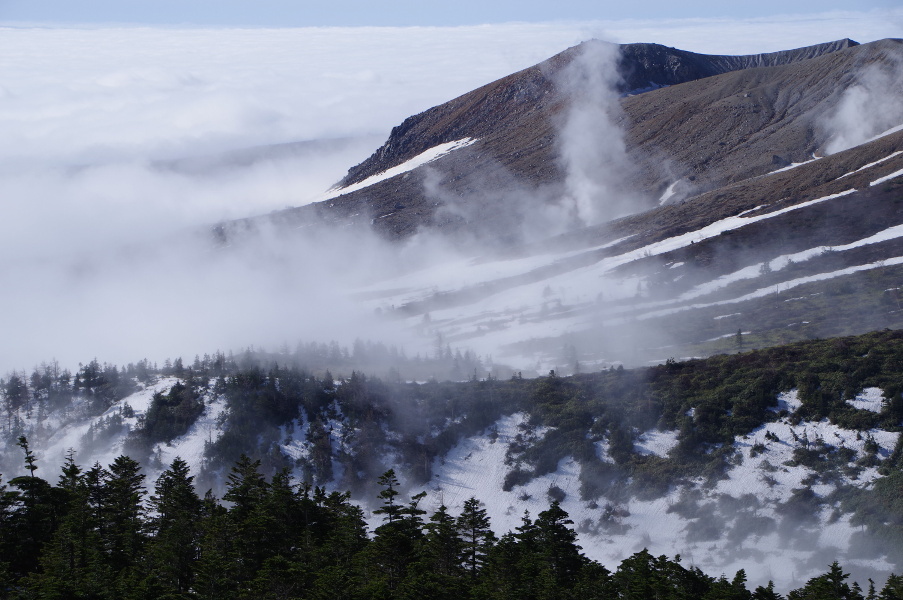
[
  {"x": 740, "y": 522},
  {"x": 523, "y": 308},
  {"x": 774, "y": 512}
]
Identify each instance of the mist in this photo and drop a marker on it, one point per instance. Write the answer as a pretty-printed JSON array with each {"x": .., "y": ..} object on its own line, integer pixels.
[
  {"x": 869, "y": 108},
  {"x": 118, "y": 153},
  {"x": 121, "y": 148},
  {"x": 592, "y": 150}
]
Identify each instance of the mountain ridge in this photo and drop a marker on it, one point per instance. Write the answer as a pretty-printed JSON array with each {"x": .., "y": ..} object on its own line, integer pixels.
[
  {"x": 517, "y": 151},
  {"x": 639, "y": 66}
]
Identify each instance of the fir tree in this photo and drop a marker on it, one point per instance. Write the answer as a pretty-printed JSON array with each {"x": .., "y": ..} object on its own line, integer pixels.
[
  {"x": 175, "y": 528},
  {"x": 125, "y": 531},
  {"x": 476, "y": 535}
]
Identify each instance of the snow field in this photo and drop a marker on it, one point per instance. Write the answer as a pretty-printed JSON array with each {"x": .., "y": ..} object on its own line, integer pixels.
[
  {"x": 190, "y": 447},
  {"x": 656, "y": 442},
  {"x": 868, "y": 399},
  {"x": 893, "y": 175},
  {"x": 789, "y": 401},
  {"x": 547, "y": 306},
  {"x": 750, "y": 493},
  {"x": 871, "y": 164},
  {"x": 69, "y": 435}
]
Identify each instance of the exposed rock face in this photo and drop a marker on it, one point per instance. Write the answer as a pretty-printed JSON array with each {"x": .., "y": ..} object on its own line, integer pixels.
[{"x": 652, "y": 65}]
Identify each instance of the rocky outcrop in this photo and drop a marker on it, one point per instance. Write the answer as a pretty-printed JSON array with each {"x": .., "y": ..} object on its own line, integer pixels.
[{"x": 645, "y": 66}]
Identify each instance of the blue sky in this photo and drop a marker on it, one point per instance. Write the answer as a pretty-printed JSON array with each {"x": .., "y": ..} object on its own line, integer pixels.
[{"x": 291, "y": 13}]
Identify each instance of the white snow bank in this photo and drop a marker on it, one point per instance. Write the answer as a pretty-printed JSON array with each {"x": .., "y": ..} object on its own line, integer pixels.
[
  {"x": 872, "y": 164},
  {"x": 610, "y": 529},
  {"x": 669, "y": 193},
  {"x": 789, "y": 401},
  {"x": 656, "y": 442},
  {"x": 793, "y": 166},
  {"x": 893, "y": 175},
  {"x": 71, "y": 435},
  {"x": 427, "y": 156},
  {"x": 868, "y": 399},
  {"x": 782, "y": 286},
  {"x": 712, "y": 230},
  {"x": 190, "y": 447},
  {"x": 894, "y": 129},
  {"x": 785, "y": 260}
]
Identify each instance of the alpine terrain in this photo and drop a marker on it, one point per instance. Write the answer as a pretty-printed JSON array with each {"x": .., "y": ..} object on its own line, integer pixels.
[{"x": 657, "y": 290}]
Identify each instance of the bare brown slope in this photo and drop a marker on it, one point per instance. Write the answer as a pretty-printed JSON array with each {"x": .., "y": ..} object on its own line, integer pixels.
[
  {"x": 508, "y": 102},
  {"x": 737, "y": 125},
  {"x": 716, "y": 130}
]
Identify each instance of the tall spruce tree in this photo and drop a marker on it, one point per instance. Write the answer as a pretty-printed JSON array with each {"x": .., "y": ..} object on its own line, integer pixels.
[
  {"x": 74, "y": 564},
  {"x": 476, "y": 535},
  {"x": 176, "y": 530},
  {"x": 124, "y": 532}
]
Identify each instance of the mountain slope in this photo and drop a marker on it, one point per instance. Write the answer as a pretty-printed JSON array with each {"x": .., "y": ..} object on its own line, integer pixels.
[
  {"x": 732, "y": 198},
  {"x": 508, "y": 102},
  {"x": 707, "y": 132},
  {"x": 723, "y": 461}
]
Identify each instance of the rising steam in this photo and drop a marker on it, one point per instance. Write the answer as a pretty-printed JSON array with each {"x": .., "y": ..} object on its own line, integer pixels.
[
  {"x": 591, "y": 144},
  {"x": 869, "y": 108}
]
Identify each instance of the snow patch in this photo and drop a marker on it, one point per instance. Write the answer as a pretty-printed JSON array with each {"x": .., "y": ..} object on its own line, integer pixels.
[
  {"x": 789, "y": 401},
  {"x": 70, "y": 435},
  {"x": 871, "y": 399},
  {"x": 656, "y": 442},
  {"x": 425, "y": 157},
  {"x": 669, "y": 192},
  {"x": 893, "y": 175},
  {"x": 872, "y": 164},
  {"x": 794, "y": 165}
]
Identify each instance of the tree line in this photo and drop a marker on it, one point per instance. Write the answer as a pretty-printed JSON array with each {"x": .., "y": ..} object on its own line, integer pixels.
[{"x": 98, "y": 533}]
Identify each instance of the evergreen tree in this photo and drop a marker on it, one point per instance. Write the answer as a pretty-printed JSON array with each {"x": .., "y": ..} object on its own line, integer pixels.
[
  {"x": 33, "y": 516},
  {"x": 437, "y": 572},
  {"x": 893, "y": 589},
  {"x": 512, "y": 568},
  {"x": 124, "y": 531},
  {"x": 7, "y": 544},
  {"x": 337, "y": 537},
  {"x": 247, "y": 489},
  {"x": 559, "y": 549},
  {"x": 395, "y": 542},
  {"x": 476, "y": 535},
  {"x": 176, "y": 530},
  {"x": 766, "y": 593},
  {"x": 722, "y": 589},
  {"x": 74, "y": 563},
  {"x": 830, "y": 586},
  {"x": 216, "y": 570},
  {"x": 392, "y": 511}
]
